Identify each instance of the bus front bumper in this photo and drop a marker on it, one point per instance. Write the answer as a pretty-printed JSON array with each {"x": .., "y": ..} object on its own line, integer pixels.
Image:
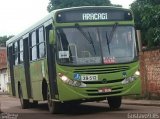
[{"x": 97, "y": 91}]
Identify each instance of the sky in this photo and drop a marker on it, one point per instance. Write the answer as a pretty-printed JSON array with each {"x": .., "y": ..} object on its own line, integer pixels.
[{"x": 17, "y": 15}]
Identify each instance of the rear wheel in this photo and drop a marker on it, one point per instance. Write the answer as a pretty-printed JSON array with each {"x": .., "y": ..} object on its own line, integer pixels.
[
  {"x": 24, "y": 102},
  {"x": 114, "y": 102},
  {"x": 34, "y": 104}
]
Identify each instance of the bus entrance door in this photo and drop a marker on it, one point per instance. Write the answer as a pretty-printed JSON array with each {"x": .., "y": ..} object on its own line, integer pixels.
[
  {"x": 27, "y": 67},
  {"x": 11, "y": 71}
]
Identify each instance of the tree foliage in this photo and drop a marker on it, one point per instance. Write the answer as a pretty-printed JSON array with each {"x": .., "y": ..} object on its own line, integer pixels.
[
  {"x": 147, "y": 18},
  {"x": 3, "y": 40},
  {"x": 56, "y": 4}
]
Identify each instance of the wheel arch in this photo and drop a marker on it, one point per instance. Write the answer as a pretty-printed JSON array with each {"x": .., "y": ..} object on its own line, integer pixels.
[
  {"x": 19, "y": 88},
  {"x": 44, "y": 89}
]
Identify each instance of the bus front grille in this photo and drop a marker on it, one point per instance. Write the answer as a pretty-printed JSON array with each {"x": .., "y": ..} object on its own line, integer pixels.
[
  {"x": 101, "y": 70},
  {"x": 102, "y": 82}
]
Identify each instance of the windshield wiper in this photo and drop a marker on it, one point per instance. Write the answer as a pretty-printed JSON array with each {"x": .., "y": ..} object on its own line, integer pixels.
[
  {"x": 111, "y": 36},
  {"x": 113, "y": 31},
  {"x": 108, "y": 44},
  {"x": 89, "y": 39}
]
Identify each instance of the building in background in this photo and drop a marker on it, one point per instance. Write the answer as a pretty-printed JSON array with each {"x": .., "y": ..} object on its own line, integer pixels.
[{"x": 3, "y": 70}]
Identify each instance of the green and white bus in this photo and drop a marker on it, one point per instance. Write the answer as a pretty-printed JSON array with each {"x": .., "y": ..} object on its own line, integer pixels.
[{"x": 76, "y": 54}]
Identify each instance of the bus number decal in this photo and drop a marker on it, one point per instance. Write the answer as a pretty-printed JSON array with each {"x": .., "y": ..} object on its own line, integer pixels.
[{"x": 89, "y": 77}]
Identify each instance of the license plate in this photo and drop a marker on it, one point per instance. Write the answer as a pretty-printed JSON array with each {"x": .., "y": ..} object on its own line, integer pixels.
[
  {"x": 104, "y": 90},
  {"x": 89, "y": 77}
]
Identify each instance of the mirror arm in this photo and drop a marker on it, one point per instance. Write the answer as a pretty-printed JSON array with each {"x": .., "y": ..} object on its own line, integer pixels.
[{"x": 51, "y": 37}]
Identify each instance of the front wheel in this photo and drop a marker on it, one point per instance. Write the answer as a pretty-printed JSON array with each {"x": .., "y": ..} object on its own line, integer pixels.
[
  {"x": 52, "y": 105},
  {"x": 114, "y": 102}
]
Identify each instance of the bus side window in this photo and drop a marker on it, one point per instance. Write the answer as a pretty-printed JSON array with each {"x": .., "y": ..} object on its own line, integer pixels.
[
  {"x": 21, "y": 51},
  {"x": 41, "y": 43},
  {"x": 15, "y": 53},
  {"x": 33, "y": 46}
]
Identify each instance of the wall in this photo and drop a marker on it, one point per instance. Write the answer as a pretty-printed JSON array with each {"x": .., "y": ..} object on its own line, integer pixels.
[
  {"x": 150, "y": 73},
  {"x": 4, "y": 81},
  {"x": 3, "y": 70},
  {"x": 3, "y": 58}
]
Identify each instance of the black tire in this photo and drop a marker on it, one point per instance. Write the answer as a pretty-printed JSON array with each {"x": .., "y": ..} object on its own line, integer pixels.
[
  {"x": 34, "y": 104},
  {"x": 52, "y": 105},
  {"x": 114, "y": 102},
  {"x": 24, "y": 102}
]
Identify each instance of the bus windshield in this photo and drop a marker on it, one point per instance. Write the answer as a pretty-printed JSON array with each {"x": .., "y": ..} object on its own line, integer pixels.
[{"x": 96, "y": 45}]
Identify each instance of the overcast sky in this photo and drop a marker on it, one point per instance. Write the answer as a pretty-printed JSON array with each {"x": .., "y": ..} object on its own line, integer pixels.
[{"x": 17, "y": 15}]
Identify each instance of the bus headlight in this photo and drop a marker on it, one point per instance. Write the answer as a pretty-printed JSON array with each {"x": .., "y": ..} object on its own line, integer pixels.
[
  {"x": 132, "y": 78},
  {"x": 68, "y": 81},
  {"x": 128, "y": 80},
  {"x": 137, "y": 73},
  {"x": 64, "y": 79}
]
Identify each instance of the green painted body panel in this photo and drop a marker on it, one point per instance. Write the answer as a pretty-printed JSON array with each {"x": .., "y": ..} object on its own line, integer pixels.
[
  {"x": 67, "y": 93},
  {"x": 94, "y": 23},
  {"x": 20, "y": 77},
  {"x": 37, "y": 70}
]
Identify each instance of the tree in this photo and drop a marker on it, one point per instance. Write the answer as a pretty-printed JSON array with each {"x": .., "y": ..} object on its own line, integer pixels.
[
  {"x": 147, "y": 18},
  {"x": 56, "y": 4},
  {"x": 3, "y": 40}
]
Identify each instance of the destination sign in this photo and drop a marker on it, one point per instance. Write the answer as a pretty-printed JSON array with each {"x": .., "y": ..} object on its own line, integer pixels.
[{"x": 92, "y": 15}]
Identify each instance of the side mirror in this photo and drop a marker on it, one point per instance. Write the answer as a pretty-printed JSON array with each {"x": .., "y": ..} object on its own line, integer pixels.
[
  {"x": 52, "y": 37},
  {"x": 139, "y": 40}
]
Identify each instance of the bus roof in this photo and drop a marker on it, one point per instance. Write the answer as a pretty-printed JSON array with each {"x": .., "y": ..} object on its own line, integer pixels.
[{"x": 51, "y": 15}]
